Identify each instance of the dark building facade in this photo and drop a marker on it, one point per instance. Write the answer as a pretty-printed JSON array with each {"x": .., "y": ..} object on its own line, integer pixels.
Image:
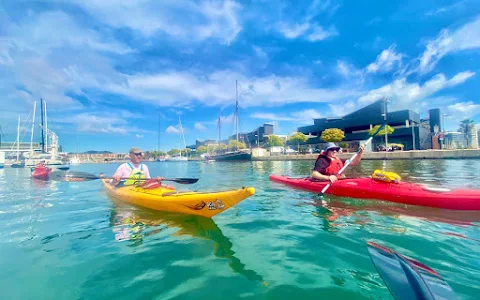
[
  {"x": 251, "y": 139},
  {"x": 408, "y": 129},
  {"x": 255, "y": 138}
]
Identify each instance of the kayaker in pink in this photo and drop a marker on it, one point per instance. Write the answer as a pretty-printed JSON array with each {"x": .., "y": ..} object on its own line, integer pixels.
[{"x": 133, "y": 170}]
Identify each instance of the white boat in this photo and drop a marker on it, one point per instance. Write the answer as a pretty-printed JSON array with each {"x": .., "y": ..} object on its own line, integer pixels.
[
  {"x": 2, "y": 159},
  {"x": 75, "y": 161},
  {"x": 180, "y": 158}
]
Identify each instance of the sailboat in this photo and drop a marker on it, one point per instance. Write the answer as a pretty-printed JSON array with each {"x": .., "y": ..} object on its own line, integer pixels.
[
  {"x": 18, "y": 163},
  {"x": 180, "y": 158},
  {"x": 237, "y": 155},
  {"x": 51, "y": 157}
]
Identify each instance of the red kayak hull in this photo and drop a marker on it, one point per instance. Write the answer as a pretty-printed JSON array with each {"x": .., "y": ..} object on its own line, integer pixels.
[
  {"x": 41, "y": 173},
  {"x": 403, "y": 192}
]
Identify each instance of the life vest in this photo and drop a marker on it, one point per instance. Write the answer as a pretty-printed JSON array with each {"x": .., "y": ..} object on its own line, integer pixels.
[
  {"x": 335, "y": 166},
  {"x": 135, "y": 175}
]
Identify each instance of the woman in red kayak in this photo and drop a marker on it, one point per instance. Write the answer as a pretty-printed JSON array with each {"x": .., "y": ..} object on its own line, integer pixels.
[{"x": 328, "y": 164}]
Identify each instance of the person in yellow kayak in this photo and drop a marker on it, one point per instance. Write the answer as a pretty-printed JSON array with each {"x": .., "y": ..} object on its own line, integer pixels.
[
  {"x": 328, "y": 164},
  {"x": 133, "y": 171}
]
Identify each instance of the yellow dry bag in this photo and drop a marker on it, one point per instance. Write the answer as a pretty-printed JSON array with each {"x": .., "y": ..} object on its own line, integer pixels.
[{"x": 386, "y": 176}]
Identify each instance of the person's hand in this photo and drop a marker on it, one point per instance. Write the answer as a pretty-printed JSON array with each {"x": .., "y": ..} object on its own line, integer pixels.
[
  {"x": 332, "y": 178},
  {"x": 159, "y": 178},
  {"x": 116, "y": 178},
  {"x": 362, "y": 148}
]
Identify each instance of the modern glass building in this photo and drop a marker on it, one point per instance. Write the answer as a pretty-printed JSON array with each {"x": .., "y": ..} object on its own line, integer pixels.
[{"x": 409, "y": 131}]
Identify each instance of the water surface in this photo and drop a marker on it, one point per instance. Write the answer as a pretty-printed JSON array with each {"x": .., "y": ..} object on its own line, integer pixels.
[{"x": 62, "y": 240}]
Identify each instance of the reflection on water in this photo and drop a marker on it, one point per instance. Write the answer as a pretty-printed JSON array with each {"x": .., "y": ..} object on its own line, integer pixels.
[{"x": 131, "y": 224}]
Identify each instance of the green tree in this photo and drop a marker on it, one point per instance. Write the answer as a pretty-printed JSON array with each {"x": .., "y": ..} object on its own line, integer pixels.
[
  {"x": 202, "y": 149},
  {"x": 275, "y": 140},
  {"x": 387, "y": 128},
  {"x": 298, "y": 138},
  {"x": 173, "y": 152},
  {"x": 466, "y": 127},
  {"x": 332, "y": 135},
  {"x": 232, "y": 144}
]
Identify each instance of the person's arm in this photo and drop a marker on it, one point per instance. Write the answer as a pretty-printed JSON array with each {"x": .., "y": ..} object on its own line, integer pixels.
[
  {"x": 118, "y": 174},
  {"x": 358, "y": 157},
  {"x": 146, "y": 171}
]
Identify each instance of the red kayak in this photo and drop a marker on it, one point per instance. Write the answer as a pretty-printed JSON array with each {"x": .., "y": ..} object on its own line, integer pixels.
[
  {"x": 41, "y": 173},
  {"x": 402, "y": 192}
]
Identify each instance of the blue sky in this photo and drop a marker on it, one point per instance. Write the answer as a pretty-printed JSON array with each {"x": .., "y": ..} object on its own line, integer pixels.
[{"x": 110, "y": 70}]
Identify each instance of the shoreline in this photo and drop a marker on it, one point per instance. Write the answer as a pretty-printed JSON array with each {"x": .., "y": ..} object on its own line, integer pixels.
[{"x": 396, "y": 155}]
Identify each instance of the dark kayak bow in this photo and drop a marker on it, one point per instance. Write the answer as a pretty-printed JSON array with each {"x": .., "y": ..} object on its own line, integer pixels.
[{"x": 408, "y": 279}]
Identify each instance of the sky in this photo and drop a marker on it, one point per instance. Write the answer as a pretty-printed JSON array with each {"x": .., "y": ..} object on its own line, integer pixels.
[{"x": 118, "y": 73}]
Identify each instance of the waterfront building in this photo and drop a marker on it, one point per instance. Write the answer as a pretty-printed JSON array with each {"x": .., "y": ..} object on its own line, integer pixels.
[
  {"x": 409, "y": 130},
  {"x": 473, "y": 138},
  {"x": 454, "y": 140},
  {"x": 257, "y": 137}
]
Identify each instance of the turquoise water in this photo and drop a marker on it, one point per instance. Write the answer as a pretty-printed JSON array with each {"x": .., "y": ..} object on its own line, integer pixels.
[{"x": 62, "y": 240}]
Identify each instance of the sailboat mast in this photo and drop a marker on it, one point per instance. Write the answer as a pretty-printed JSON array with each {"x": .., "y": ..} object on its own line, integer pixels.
[
  {"x": 158, "y": 139},
  {"x": 46, "y": 127},
  {"x": 18, "y": 138},
  {"x": 33, "y": 127},
  {"x": 183, "y": 136},
  {"x": 219, "y": 130},
  {"x": 42, "y": 120},
  {"x": 236, "y": 110}
]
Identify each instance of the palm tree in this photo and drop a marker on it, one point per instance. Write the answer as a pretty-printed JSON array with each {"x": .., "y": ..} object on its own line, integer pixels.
[{"x": 466, "y": 127}]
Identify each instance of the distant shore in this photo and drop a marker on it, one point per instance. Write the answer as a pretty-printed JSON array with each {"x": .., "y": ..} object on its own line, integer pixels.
[{"x": 396, "y": 155}]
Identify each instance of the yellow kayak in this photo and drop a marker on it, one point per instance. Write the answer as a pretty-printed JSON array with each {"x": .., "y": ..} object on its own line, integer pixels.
[{"x": 206, "y": 204}]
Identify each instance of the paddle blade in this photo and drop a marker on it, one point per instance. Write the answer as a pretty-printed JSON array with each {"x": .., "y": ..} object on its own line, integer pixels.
[
  {"x": 182, "y": 180},
  {"x": 72, "y": 176},
  {"x": 406, "y": 278}
]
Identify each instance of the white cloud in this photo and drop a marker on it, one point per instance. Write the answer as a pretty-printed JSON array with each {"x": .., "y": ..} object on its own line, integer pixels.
[
  {"x": 445, "y": 9},
  {"x": 206, "y": 19},
  {"x": 319, "y": 34},
  {"x": 311, "y": 32},
  {"x": 105, "y": 123},
  {"x": 339, "y": 110},
  {"x": 464, "y": 38},
  {"x": 226, "y": 119},
  {"x": 385, "y": 61},
  {"x": 463, "y": 110},
  {"x": 181, "y": 88},
  {"x": 404, "y": 93},
  {"x": 259, "y": 52},
  {"x": 172, "y": 129},
  {"x": 293, "y": 31},
  {"x": 271, "y": 116},
  {"x": 305, "y": 116},
  {"x": 200, "y": 126},
  {"x": 97, "y": 124},
  {"x": 139, "y": 136}
]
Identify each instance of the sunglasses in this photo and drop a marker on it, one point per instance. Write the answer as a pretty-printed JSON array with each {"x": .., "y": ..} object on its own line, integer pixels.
[{"x": 138, "y": 154}]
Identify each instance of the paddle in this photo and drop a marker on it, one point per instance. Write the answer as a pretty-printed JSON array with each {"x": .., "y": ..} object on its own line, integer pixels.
[
  {"x": 83, "y": 176},
  {"x": 407, "y": 278},
  {"x": 352, "y": 158}
]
